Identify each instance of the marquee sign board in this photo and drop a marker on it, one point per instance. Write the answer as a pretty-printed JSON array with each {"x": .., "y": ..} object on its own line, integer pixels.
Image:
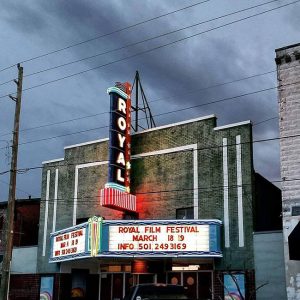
[
  {"x": 138, "y": 238},
  {"x": 67, "y": 243}
]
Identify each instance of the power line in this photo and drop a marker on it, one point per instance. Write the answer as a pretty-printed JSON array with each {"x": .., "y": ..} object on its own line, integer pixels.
[
  {"x": 107, "y": 34},
  {"x": 156, "y": 48},
  {"x": 156, "y": 100},
  {"x": 267, "y": 120},
  {"x": 212, "y": 188},
  {"x": 148, "y": 39},
  {"x": 4, "y": 182},
  {"x": 59, "y": 122},
  {"x": 165, "y": 113},
  {"x": 145, "y": 40},
  {"x": 59, "y": 164}
]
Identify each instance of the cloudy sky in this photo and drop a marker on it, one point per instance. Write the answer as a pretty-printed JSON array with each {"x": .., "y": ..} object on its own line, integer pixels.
[{"x": 180, "y": 75}]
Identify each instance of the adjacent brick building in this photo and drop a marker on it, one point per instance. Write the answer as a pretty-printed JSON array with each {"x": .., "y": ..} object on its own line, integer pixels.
[
  {"x": 24, "y": 281},
  {"x": 288, "y": 72},
  {"x": 26, "y": 223}
]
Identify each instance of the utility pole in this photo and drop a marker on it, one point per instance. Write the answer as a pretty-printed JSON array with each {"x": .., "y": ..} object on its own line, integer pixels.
[{"x": 9, "y": 228}]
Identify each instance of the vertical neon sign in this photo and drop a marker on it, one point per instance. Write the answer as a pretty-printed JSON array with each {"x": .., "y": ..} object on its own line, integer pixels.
[
  {"x": 117, "y": 190},
  {"x": 119, "y": 137}
]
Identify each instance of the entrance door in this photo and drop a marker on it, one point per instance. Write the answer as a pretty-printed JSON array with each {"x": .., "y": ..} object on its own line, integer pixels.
[
  {"x": 204, "y": 285},
  {"x": 198, "y": 284},
  {"x": 190, "y": 281},
  {"x": 79, "y": 282},
  {"x": 106, "y": 286},
  {"x": 117, "y": 288},
  {"x": 115, "y": 285}
]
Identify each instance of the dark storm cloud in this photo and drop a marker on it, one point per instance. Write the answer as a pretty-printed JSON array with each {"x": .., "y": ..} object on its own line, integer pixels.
[
  {"x": 292, "y": 18},
  {"x": 172, "y": 68},
  {"x": 23, "y": 17},
  {"x": 171, "y": 73}
]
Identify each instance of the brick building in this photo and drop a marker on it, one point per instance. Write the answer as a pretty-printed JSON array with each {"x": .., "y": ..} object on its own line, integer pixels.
[
  {"x": 27, "y": 213},
  {"x": 194, "y": 178},
  {"x": 288, "y": 73},
  {"x": 24, "y": 282}
]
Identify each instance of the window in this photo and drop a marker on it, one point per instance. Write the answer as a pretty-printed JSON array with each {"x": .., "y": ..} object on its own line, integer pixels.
[{"x": 185, "y": 213}]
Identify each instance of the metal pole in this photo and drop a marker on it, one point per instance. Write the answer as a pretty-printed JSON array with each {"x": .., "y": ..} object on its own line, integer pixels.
[
  {"x": 136, "y": 101},
  {"x": 9, "y": 232}
]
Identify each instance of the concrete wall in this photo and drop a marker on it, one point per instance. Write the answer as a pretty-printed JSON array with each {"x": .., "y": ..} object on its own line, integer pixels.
[
  {"x": 288, "y": 71},
  {"x": 24, "y": 260},
  {"x": 269, "y": 265}
]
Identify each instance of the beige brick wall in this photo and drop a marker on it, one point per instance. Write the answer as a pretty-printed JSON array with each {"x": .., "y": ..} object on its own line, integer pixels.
[{"x": 288, "y": 71}]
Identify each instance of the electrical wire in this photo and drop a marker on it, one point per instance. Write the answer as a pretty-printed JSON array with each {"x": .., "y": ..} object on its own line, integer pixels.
[
  {"x": 165, "y": 113},
  {"x": 154, "y": 48},
  {"x": 156, "y": 100},
  {"x": 60, "y": 164},
  {"x": 106, "y": 34},
  {"x": 20, "y": 190},
  {"x": 148, "y": 39},
  {"x": 185, "y": 190}
]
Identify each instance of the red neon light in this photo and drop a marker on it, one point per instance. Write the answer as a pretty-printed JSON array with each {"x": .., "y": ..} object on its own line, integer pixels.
[
  {"x": 127, "y": 86},
  {"x": 117, "y": 199}
]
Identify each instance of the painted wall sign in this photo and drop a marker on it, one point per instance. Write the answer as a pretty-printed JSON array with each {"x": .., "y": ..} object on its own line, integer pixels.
[{"x": 141, "y": 238}]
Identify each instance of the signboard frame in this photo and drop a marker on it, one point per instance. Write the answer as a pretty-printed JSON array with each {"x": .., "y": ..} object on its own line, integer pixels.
[{"x": 103, "y": 250}]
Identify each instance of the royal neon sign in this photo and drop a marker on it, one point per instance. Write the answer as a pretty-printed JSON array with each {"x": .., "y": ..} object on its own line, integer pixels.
[
  {"x": 116, "y": 193},
  {"x": 119, "y": 138}
]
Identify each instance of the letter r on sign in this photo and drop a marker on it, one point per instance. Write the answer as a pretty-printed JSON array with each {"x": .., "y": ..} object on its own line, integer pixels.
[{"x": 122, "y": 105}]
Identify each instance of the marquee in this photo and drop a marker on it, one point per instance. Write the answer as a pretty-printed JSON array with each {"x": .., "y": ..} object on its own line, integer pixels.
[{"x": 137, "y": 238}]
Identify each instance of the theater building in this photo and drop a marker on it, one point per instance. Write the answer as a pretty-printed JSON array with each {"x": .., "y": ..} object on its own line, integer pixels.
[{"x": 171, "y": 204}]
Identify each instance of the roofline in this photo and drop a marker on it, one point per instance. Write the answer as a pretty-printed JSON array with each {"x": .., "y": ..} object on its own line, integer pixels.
[
  {"x": 86, "y": 143},
  {"x": 176, "y": 124},
  {"x": 154, "y": 129},
  {"x": 287, "y": 47},
  {"x": 233, "y": 125},
  {"x": 145, "y": 131},
  {"x": 52, "y": 161}
]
